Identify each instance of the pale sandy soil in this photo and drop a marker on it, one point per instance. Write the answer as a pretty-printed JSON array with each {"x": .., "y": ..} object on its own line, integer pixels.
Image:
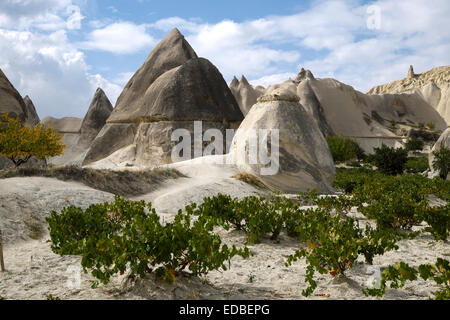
[{"x": 34, "y": 272}]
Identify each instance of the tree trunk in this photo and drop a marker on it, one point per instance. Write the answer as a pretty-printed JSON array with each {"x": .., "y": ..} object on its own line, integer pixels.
[{"x": 2, "y": 263}]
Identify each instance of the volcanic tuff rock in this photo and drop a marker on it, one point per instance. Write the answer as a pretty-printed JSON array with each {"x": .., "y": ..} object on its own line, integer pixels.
[
  {"x": 10, "y": 100},
  {"x": 338, "y": 108},
  {"x": 433, "y": 86},
  {"x": 246, "y": 95},
  {"x": 304, "y": 161},
  {"x": 172, "y": 89},
  {"x": 78, "y": 134},
  {"x": 32, "y": 117}
]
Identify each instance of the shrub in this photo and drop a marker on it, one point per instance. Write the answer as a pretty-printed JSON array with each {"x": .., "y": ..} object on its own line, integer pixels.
[
  {"x": 344, "y": 149},
  {"x": 431, "y": 125},
  {"x": 19, "y": 143},
  {"x": 390, "y": 160},
  {"x": 438, "y": 219},
  {"x": 414, "y": 144},
  {"x": 417, "y": 165},
  {"x": 331, "y": 246},
  {"x": 112, "y": 237},
  {"x": 401, "y": 272},
  {"x": 441, "y": 162}
]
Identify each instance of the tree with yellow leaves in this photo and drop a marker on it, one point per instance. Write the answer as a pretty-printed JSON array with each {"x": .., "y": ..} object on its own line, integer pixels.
[{"x": 19, "y": 143}]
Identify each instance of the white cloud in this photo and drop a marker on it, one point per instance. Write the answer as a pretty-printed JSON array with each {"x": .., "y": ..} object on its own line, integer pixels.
[
  {"x": 49, "y": 69},
  {"x": 48, "y": 15},
  {"x": 120, "y": 38},
  {"x": 336, "y": 38}
]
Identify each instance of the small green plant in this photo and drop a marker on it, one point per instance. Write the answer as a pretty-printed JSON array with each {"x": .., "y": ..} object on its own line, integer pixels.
[
  {"x": 414, "y": 144},
  {"x": 438, "y": 219},
  {"x": 390, "y": 160},
  {"x": 431, "y": 125},
  {"x": 398, "y": 274},
  {"x": 441, "y": 162},
  {"x": 251, "y": 278},
  {"x": 52, "y": 297}
]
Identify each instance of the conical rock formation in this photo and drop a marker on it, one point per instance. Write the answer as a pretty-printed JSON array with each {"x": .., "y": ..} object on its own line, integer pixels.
[
  {"x": 10, "y": 100},
  {"x": 300, "y": 159},
  {"x": 32, "y": 117},
  {"x": 170, "y": 91}
]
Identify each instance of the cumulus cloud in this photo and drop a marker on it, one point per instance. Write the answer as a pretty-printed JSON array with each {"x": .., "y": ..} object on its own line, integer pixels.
[
  {"x": 333, "y": 37},
  {"x": 49, "y": 69},
  {"x": 120, "y": 37}
]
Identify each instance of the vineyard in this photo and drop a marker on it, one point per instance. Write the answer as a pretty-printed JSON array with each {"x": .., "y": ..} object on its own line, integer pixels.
[{"x": 128, "y": 237}]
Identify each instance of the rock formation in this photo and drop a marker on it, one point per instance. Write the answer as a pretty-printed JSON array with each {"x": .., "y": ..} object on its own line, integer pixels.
[
  {"x": 303, "y": 160},
  {"x": 338, "y": 108},
  {"x": 246, "y": 95},
  {"x": 433, "y": 86},
  {"x": 78, "y": 134},
  {"x": 31, "y": 115},
  {"x": 10, "y": 100},
  {"x": 171, "y": 90}
]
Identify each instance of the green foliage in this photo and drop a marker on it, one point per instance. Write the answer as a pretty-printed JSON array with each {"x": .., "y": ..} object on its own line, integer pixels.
[
  {"x": 52, "y": 297},
  {"x": 390, "y": 160},
  {"x": 441, "y": 162},
  {"x": 19, "y": 143},
  {"x": 332, "y": 246},
  {"x": 344, "y": 149},
  {"x": 400, "y": 273},
  {"x": 112, "y": 237},
  {"x": 438, "y": 220},
  {"x": 417, "y": 165},
  {"x": 414, "y": 144}
]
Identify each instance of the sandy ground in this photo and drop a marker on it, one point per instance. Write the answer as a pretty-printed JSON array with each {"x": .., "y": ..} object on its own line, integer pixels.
[{"x": 34, "y": 272}]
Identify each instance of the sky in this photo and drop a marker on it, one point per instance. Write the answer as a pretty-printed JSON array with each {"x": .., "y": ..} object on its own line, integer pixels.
[{"x": 59, "y": 51}]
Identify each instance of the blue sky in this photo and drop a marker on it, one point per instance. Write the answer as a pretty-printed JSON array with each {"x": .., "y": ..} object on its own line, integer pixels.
[{"x": 60, "y": 51}]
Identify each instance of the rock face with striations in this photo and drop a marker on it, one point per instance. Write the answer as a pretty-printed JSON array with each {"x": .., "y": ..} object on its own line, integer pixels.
[
  {"x": 78, "y": 134},
  {"x": 303, "y": 161},
  {"x": 433, "y": 86},
  {"x": 171, "y": 90}
]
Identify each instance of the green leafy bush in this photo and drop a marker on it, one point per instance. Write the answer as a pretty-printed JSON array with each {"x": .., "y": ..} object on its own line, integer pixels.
[
  {"x": 344, "y": 149},
  {"x": 414, "y": 144},
  {"x": 125, "y": 234},
  {"x": 417, "y": 165},
  {"x": 390, "y": 160},
  {"x": 441, "y": 162},
  {"x": 438, "y": 219}
]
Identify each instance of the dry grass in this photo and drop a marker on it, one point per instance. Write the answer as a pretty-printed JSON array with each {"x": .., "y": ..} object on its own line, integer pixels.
[
  {"x": 251, "y": 179},
  {"x": 123, "y": 183}
]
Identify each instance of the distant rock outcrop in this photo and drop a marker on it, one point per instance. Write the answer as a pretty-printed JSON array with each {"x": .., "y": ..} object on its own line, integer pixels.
[
  {"x": 246, "y": 95},
  {"x": 338, "y": 108},
  {"x": 433, "y": 86},
  {"x": 171, "y": 90},
  {"x": 78, "y": 133},
  {"x": 303, "y": 161},
  {"x": 32, "y": 117}
]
